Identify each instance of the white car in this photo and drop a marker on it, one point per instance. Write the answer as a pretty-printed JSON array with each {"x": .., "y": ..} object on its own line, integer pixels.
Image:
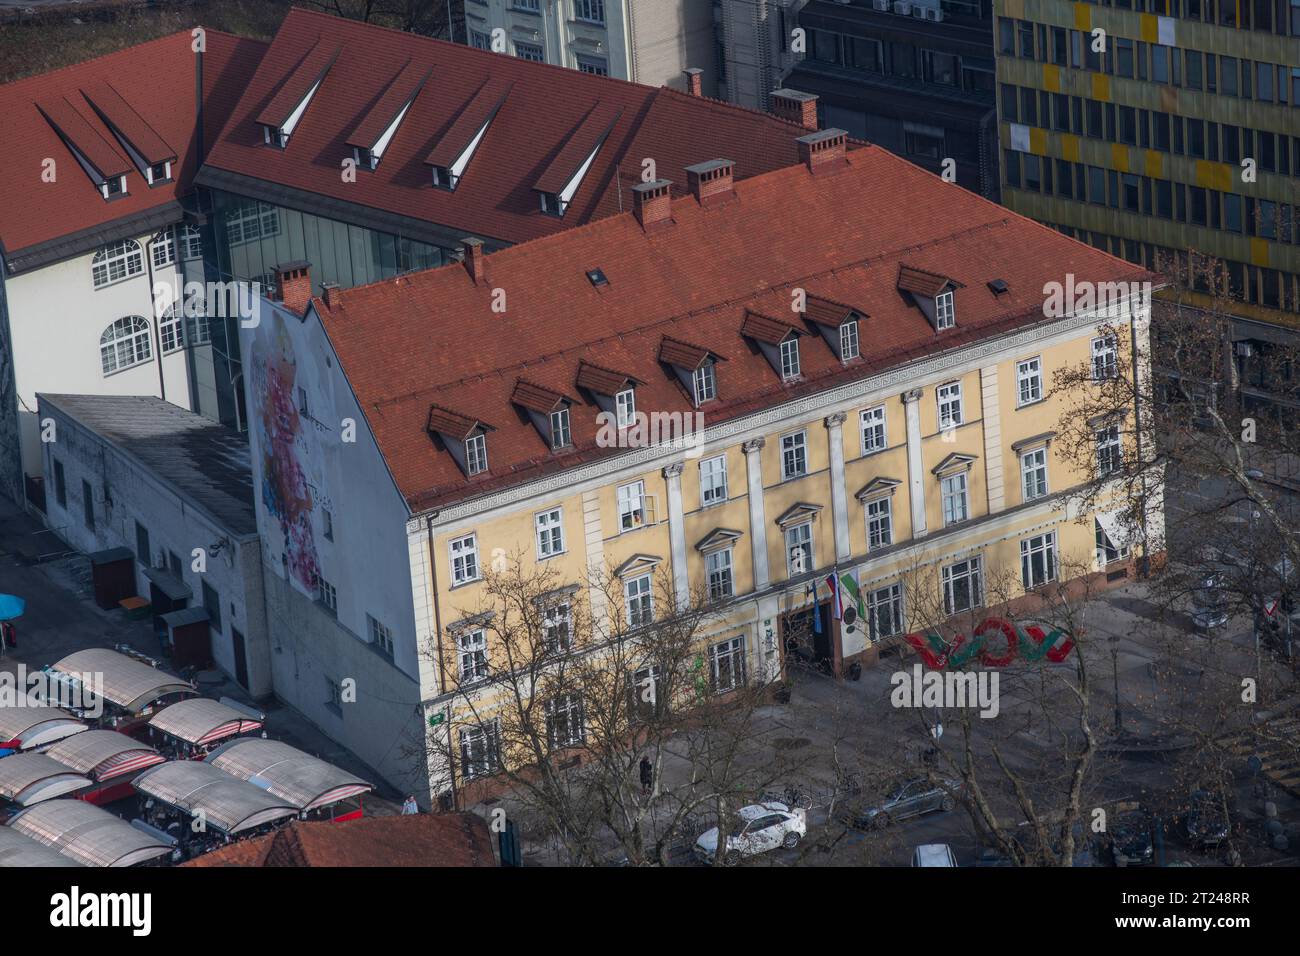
[
  {"x": 761, "y": 827},
  {"x": 933, "y": 854}
]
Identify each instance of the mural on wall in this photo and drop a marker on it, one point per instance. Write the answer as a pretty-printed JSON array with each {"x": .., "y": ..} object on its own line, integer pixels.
[{"x": 286, "y": 492}]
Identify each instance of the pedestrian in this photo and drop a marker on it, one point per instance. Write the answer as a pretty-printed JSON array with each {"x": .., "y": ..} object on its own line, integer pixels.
[
  {"x": 647, "y": 775},
  {"x": 10, "y": 634},
  {"x": 410, "y": 806}
]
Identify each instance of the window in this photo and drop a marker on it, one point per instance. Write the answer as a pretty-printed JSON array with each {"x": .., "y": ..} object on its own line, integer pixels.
[
  {"x": 212, "y": 604},
  {"x": 564, "y": 720},
  {"x": 327, "y": 595},
  {"x": 560, "y": 436},
  {"x": 334, "y": 698},
  {"x": 557, "y": 628},
  {"x": 880, "y": 532},
  {"x": 471, "y": 646},
  {"x": 1109, "y": 451},
  {"x": 713, "y": 481},
  {"x": 592, "y": 11},
  {"x": 191, "y": 243},
  {"x": 790, "y": 358},
  {"x": 1038, "y": 560},
  {"x": 87, "y": 505},
  {"x": 116, "y": 261},
  {"x": 125, "y": 343},
  {"x": 164, "y": 250},
  {"x": 718, "y": 566},
  {"x": 550, "y": 533},
  {"x": 142, "y": 553},
  {"x": 464, "y": 559},
  {"x": 799, "y": 548},
  {"x": 631, "y": 506},
  {"x": 480, "y": 40},
  {"x": 1029, "y": 381},
  {"x": 949, "y": 400},
  {"x": 170, "y": 331},
  {"x": 593, "y": 65},
  {"x": 327, "y": 523},
  {"x": 476, "y": 454},
  {"x": 885, "y": 612},
  {"x": 705, "y": 383},
  {"x": 625, "y": 405},
  {"x": 60, "y": 485},
  {"x": 381, "y": 636},
  {"x": 251, "y": 221},
  {"x": 1105, "y": 358},
  {"x": 644, "y": 694},
  {"x": 1033, "y": 473},
  {"x": 727, "y": 665},
  {"x": 794, "y": 455},
  {"x": 849, "y": 348},
  {"x": 640, "y": 601},
  {"x": 955, "y": 505},
  {"x": 480, "y": 750},
  {"x": 1107, "y": 551},
  {"x": 873, "y": 429},
  {"x": 944, "y": 317},
  {"x": 962, "y": 586},
  {"x": 529, "y": 51}
]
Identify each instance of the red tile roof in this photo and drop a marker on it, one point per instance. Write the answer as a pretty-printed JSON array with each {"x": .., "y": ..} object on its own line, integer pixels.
[
  {"x": 929, "y": 284},
  {"x": 149, "y": 90},
  {"x": 424, "y": 839},
  {"x": 432, "y": 337},
  {"x": 550, "y": 118},
  {"x": 765, "y": 329}
]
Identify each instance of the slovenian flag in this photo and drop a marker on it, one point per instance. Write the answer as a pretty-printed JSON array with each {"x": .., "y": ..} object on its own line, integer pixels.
[{"x": 846, "y": 599}]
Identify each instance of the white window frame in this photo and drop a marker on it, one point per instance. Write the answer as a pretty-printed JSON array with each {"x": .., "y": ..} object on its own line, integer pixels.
[
  {"x": 639, "y": 600},
  {"x": 850, "y": 346},
  {"x": 1105, "y": 546},
  {"x": 720, "y": 574},
  {"x": 880, "y": 522},
  {"x": 191, "y": 243},
  {"x": 164, "y": 250},
  {"x": 566, "y": 707},
  {"x": 171, "y": 329},
  {"x": 381, "y": 635},
  {"x": 625, "y": 407},
  {"x": 945, "y": 312},
  {"x": 973, "y": 573},
  {"x": 704, "y": 382},
  {"x": 1029, "y": 381},
  {"x": 1043, "y": 547},
  {"x": 1033, "y": 474},
  {"x": 115, "y": 262},
  {"x": 794, "y": 455},
  {"x": 463, "y": 555},
  {"x": 954, "y": 490},
  {"x": 549, "y": 528},
  {"x": 471, "y": 655},
  {"x": 532, "y": 49},
  {"x": 557, "y": 627},
  {"x": 790, "y": 367},
  {"x": 480, "y": 750},
  {"x": 889, "y": 597},
  {"x": 561, "y": 436},
  {"x": 476, "y": 461},
  {"x": 1109, "y": 449},
  {"x": 631, "y": 506},
  {"x": 1105, "y": 358},
  {"x": 799, "y": 535},
  {"x": 589, "y": 11},
  {"x": 125, "y": 344},
  {"x": 948, "y": 402},
  {"x": 327, "y": 595},
  {"x": 875, "y": 434},
  {"x": 713, "y": 481},
  {"x": 728, "y": 658}
]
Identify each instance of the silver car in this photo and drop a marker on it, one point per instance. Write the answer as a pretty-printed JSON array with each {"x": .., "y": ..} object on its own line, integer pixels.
[{"x": 905, "y": 798}]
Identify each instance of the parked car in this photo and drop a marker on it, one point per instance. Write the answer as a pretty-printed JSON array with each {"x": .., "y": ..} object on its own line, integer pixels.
[
  {"x": 1026, "y": 837},
  {"x": 1205, "y": 824},
  {"x": 906, "y": 797},
  {"x": 992, "y": 856},
  {"x": 1129, "y": 839},
  {"x": 761, "y": 827},
  {"x": 933, "y": 854}
]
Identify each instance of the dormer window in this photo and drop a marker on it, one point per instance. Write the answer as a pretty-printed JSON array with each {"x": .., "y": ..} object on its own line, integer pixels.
[
  {"x": 548, "y": 411},
  {"x": 790, "y": 359},
  {"x": 159, "y": 173},
  {"x": 559, "y": 182},
  {"x": 552, "y": 204},
  {"x": 944, "y": 316},
  {"x": 275, "y": 136},
  {"x": 560, "y": 434},
  {"x": 113, "y": 188},
  {"x": 281, "y": 115},
  {"x": 706, "y": 383},
  {"x": 849, "y": 348},
  {"x": 443, "y": 179},
  {"x": 365, "y": 158},
  {"x": 625, "y": 407},
  {"x": 476, "y": 454}
]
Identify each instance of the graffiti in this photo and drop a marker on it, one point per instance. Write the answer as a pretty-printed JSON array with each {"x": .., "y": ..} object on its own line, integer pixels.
[
  {"x": 285, "y": 489},
  {"x": 1030, "y": 643}
]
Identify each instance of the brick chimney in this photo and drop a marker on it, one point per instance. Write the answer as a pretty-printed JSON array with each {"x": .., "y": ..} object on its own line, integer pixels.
[
  {"x": 711, "y": 182},
  {"x": 653, "y": 204},
  {"x": 824, "y": 151},
  {"x": 332, "y": 294},
  {"x": 796, "y": 107},
  {"x": 293, "y": 285},
  {"x": 694, "y": 82},
  {"x": 475, "y": 260}
]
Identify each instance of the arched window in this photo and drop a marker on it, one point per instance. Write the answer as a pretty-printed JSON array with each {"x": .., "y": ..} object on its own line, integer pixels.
[
  {"x": 170, "y": 330},
  {"x": 125, "y": 343},
  {"x": 118, "y": 260}
]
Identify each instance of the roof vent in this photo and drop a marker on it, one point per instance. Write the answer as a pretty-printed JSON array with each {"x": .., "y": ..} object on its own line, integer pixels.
[{"x": 997, "y": 286}]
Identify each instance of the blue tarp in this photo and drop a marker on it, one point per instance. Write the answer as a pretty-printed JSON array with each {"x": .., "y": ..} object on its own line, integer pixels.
[{"x": 11, "y": 606}]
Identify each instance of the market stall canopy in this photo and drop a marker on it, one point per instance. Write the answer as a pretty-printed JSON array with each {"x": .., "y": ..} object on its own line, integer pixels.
[
  {"x": 87, "y": 834},
  {"x": 30, "y": 778},
  {"x": 37, "y": 726},
  {"x": 201, "y": 720},
  {"x": 104, "y": 754},
  {"x": 227, "y": 804},
  {"x": 286, "y": 772},
  {"x": 128, "y": 683},
  {"x": 17, "y": 850}
]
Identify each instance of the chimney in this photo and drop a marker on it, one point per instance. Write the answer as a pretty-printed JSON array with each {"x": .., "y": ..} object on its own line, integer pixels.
[
  {"x": 293, "y": 285},
  {"x": 475, "y": 263},
  {"x": 824, "y": 151},
  {"x": 333, "y": 295},
  {"x": 653, "y": 204},
  {"x": 694, "y": 84},
  {"x": 711, "y": 182},
  {"x": 796, "y": 107}
]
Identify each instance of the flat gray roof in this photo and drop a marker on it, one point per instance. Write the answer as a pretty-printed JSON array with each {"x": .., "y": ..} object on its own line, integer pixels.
[{"x": 205, "y": 462}]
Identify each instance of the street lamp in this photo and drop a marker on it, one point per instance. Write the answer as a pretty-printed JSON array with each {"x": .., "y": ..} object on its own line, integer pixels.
[{"x": 1114, "y": 662}]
